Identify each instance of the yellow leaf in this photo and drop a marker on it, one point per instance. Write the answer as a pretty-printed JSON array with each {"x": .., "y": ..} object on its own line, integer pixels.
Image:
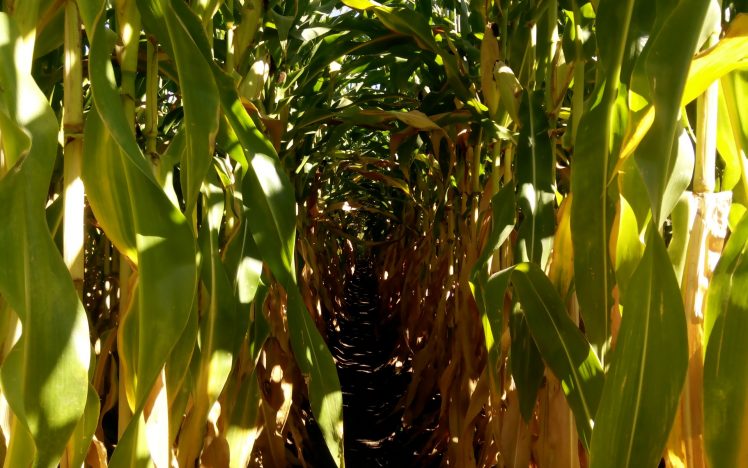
[
  {"x": 416, "y": 119},
  {"x": 730, "y": 53},
  {"x": 360, "y": 4}
]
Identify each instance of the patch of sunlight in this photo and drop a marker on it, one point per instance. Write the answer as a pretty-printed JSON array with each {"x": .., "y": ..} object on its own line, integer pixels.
[
  {"x": 24, "y": 53},
  {"x": 168, "y": 187},
  {"x": 331, "y": 405},
  {"x": 267, "y": 174},
  {"x": 29, "y": 104},
  {"x": 148, "y": 242},
  {"x": 214, "y": 414},
  {"x": 82, "y": 346},
  {"x": 605, "y": 349},
  {"x": 4, "y": 30},
  {"x": 73, "y": 228},
  {"x": 74, "y": 360},
  {"x": 220, "y": 366},
  {"x": 51, "y": 200},
  {"x": 245, "y": 289},
  {"x": 637, "y": 102},
  {"x": 339, "y": 11},
  {"x": 127, "y": 32},
  {"x": 528, "y": 190},
  {"x": 276, "y": 373},
  {"x": 19, "y": 327},
  {"x": 583, "y": 34},
  {"x": 157, "y": 426}
]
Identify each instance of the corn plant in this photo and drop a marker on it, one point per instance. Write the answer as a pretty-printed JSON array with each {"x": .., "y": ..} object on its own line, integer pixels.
[{"x": 553, "y": 194}]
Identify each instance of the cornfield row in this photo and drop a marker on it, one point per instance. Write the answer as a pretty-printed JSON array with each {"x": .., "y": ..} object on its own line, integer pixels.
[{"x": 553, "y": 193}]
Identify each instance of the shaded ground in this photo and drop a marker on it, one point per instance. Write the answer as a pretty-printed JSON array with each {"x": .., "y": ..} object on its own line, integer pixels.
[{"x": 372, "y": 385}]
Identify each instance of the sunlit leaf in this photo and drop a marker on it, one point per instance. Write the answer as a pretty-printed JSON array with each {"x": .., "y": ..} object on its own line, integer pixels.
[
  {"x": 665, "y": 61},
  {"x": 45, "y": 374},
  {"x": 562, "y": 345},
  {"x": 534, "y": 181},
  {"x": 725, "y": 370},
  {"x": 593, "y": 209},
  {"x": 648, "y": 367}
]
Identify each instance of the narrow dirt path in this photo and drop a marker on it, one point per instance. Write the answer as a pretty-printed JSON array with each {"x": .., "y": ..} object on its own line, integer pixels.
[{"x": 372, "y": 386}]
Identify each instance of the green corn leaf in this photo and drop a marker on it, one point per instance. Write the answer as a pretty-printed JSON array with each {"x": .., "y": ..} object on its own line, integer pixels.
[
  {"x": 536, "y": 201},
  {"x": 163, "y": 246},
  {"x": 593, "y": 209},
  {"x": 152, "y": 15},
  {"x": 321, "y": 377},
  {"x": 244, "y": 267},
  {"x": 628, "y": 246},
  {"x": 144, "y": 224},
  {"x": 729, "y": 134},
  {"x": 503, "y": 209},
  {"x": 243, "y": 429},
  {"x": 525, "y": 361},
  {"x": 648, "y": 367},
  {"x": 725, "y": 370},
  {"x": 732, "y": 140},
  {"x": 509, "y": 89},
  {"x": 269, "y": 199},
  {"x": 535, "y": 181},
  {"x": 490, "y": 300},
  {"x": 681, "y": 220},
  {"x": 271, "y": 203},
  {"x": 130, "y": 202},
  {"x": 660, "y": 77},
  {"x": 132, "y": 448},
  {"x": 271, "y": 207},
  {"x": 200, "y": 100},
  {"x": 489, "y": 56},
  {"x": 177, "y": 374},
  {"x": 559, "y": 342},
  {"x": 45, "y": 375},
  {"x": 730, "y": 54},
  {"x": 412, "y": 24},
  {"x": 84, "y": 431},
  {"x": 680, "y": 171},
  {"x": 563, "y": 347},
  {"x": 222, "y": 327}
]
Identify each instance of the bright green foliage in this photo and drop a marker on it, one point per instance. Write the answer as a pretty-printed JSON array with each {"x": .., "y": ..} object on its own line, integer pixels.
[
  {"x": 725, "y": 372},
  {"x": 643, "y": 386},
  {"x": 520, "y": 174},
  {"x": 45, "y": 374}
]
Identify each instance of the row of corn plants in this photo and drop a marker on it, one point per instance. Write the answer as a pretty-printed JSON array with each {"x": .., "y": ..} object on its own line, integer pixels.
[{"x": 553, "y": 192}]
